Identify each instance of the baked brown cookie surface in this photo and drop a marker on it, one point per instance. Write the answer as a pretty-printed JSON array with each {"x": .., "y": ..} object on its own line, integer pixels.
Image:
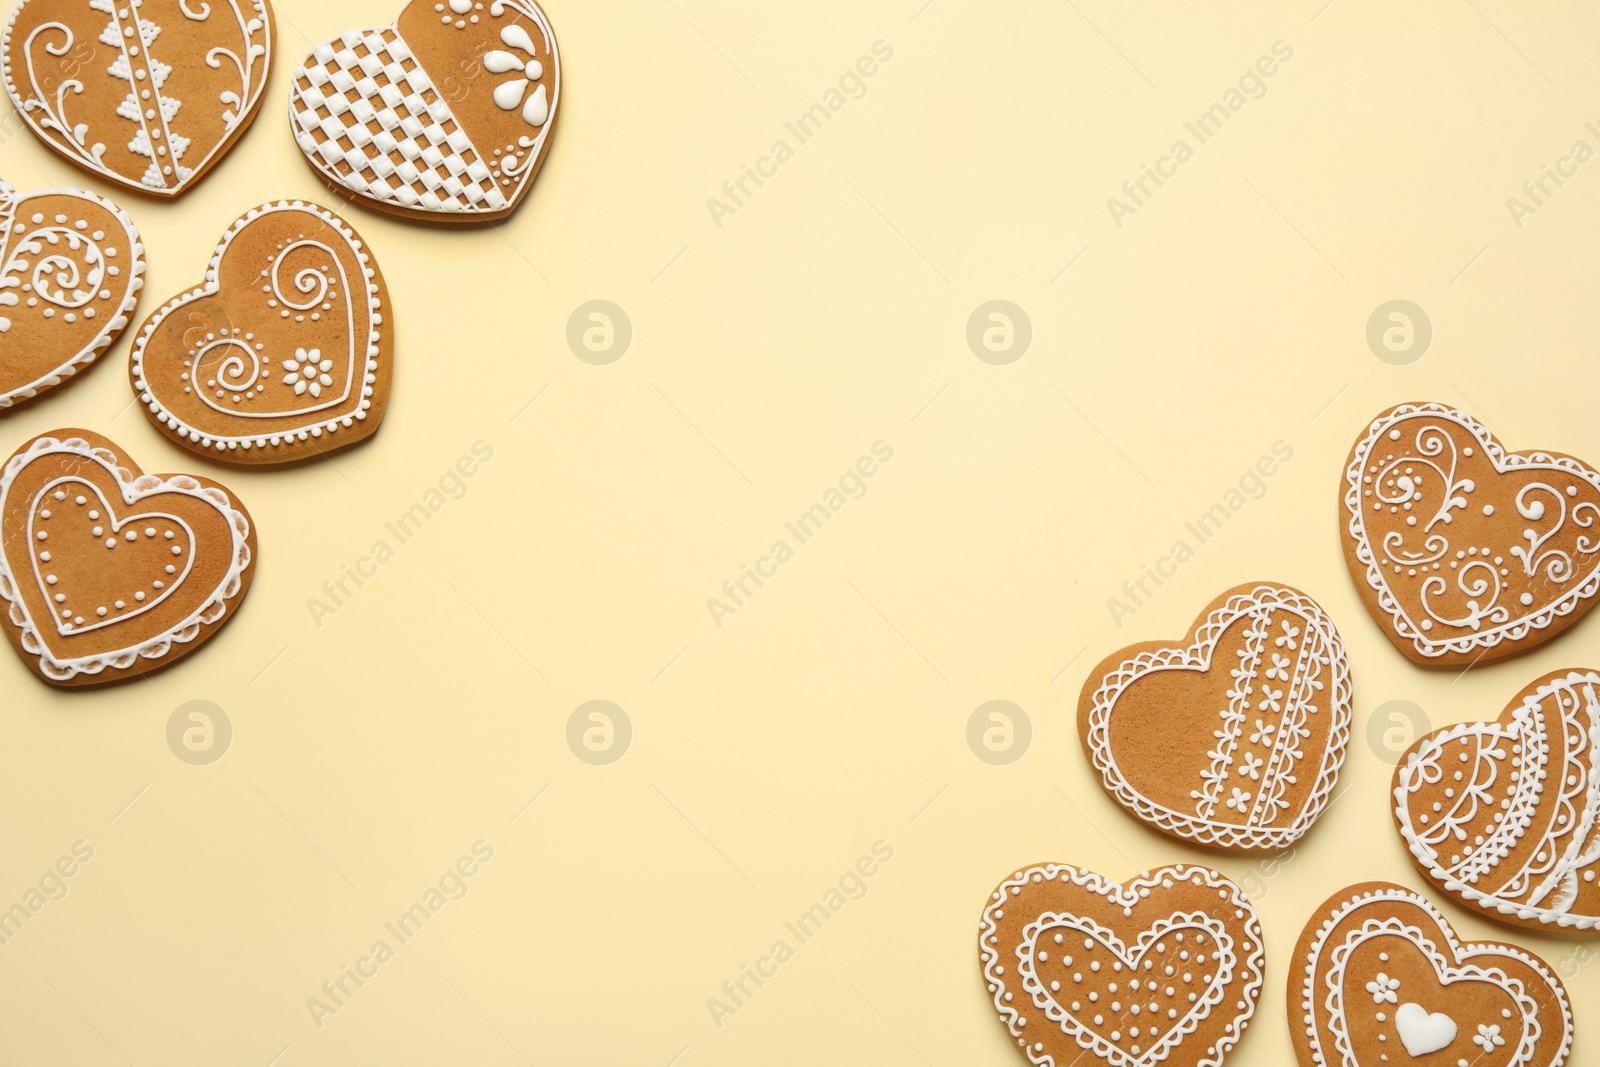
[
  {"x": 107, "y": 573},
  {"x": 1233, "y": 737},
  {"x": 1462, "y": 550},
  {"x": 1163, "y": 969},
  {"x": 283, "y": 353},
  {"x": 148, "y": 94}
]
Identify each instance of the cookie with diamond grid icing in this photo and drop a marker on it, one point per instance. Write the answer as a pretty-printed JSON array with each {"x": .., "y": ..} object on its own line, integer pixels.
[{"x": 446, "y": 115}]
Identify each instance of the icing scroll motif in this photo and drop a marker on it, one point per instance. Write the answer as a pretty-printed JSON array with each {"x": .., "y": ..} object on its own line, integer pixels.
[
  {"x": 1462, "y": 550},
  {"x": 94, "y": 79},
  {"x": 71, "y": 268}
]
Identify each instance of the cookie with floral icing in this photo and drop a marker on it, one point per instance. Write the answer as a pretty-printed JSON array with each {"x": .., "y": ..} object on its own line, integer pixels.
[
  {"x": 1233, "y": 737},
  {"x": 71, "y": 267},
  {"x": 148, "y": 94},
  {"x": 107, "y": 573},
  {"x": 1163, "y": 969},
  {"x": 284, "y": 352},
  {"x": 1463, "y": 550},
  {"x": 1379, "y": 978},
  {"x": 445, "y": 115},
  {"x": 1504, "y": 816}
]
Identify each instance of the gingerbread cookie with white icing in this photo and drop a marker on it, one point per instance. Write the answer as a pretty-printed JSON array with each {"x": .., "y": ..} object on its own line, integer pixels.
[
  {"x": 107, "y": 573},
  {"x": 1379, "y": 979},
  {"x": 1504, "y": 816},
  {"x": 446, "y": 115},
  {"x": 284, "y": 352},
  {"x": 149, "y": 94},
  {"x": 1233, "y": 737},
  {"x": 1163, "y": 969},
  {"x": 1463, "y": 550},
  {"x": 71, "y": 267}
]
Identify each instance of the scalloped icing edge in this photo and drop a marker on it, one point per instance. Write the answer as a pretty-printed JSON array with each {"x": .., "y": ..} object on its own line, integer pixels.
[
  {"x": 1504, "y": 462},
  {"x": 114, "y": 326},
  {"x": 1128, "y": 895},
  {"x": 213, "y": 610},
  {"x": 1197, "y": 655},
  {"x": 1488, "y": 902},
  {"x": 1325, "y": 926},
  {"x": 209, "y": 287}
]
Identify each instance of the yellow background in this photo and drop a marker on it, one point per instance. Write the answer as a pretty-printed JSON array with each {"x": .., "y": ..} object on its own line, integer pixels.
[{"x": 769, "y": 353}]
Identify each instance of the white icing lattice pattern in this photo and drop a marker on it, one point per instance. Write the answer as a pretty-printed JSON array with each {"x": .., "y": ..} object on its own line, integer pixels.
[{"x": 366, "y": 109}]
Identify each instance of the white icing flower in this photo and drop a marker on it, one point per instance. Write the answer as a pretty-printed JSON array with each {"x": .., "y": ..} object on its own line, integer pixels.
[
  {"x": 1488, "y": 1037},
  {"x": 509, "y": 93},
  {"x": 1382, "y": 989},
  {"x": 1251, "y": 766},
  {"x": 1287, "y": 639},
  {"x": 1263, "y": 733},
  {"x": 1279, "y": 669},
  {"x": 1270, "y": 699},
  {"x": 308, "y": 372},
  {"x": 1239, "y": 800}
]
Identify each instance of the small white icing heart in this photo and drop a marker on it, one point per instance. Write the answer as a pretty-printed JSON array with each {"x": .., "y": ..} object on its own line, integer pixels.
[{"x": 1422, "y": 1033}]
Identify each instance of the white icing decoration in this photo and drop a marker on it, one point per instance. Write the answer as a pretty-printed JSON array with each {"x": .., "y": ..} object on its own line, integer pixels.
[
  {"x": 1534, "y": 780},
  {"x": 1422, "y": 1032},
  {"x": 1365, "y": 919},
  {"x": 133, "y": 490},
  {"x": 151, "y": 111},
  {"x": 400, "y": 110},
  {"x": 357, "y": 365},
  {"x": 1451, "y": 591},
  {"x": 1231, "y": 978},
  {"x": 71, "y": 259},
  {"x": 1291, "y": 683}
]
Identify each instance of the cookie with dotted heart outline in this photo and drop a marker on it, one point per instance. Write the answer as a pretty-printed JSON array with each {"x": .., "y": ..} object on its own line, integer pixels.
[
  {"x": 1163, "y": 969},
  {"x": 283, "y": 353},
  {"x": 108, "y": 573},
  {"x": 1462, "y": 550},
  {"x": 1504, "y": 816},
  {"x": 1380, "y": 978},
  {"x": 446, "y": 115},
  {"x": 1233, "y": 738},
  {"x": 148, "y": 94},
  {"x": 71, "y": 267}
]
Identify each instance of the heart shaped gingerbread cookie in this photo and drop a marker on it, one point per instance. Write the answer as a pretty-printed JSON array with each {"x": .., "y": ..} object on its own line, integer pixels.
[
  {"x": 1234, "y": 738},
  {"x": 1165, "y": 969},
  {"x": 71, "y": 267},
  {"x": 283, "y": 353},
  {"x": 1462, "y": 550},
  {"x": 446, "y": 115},
  {"x": 1380, "y": 979},
  {"x": 146, "y": 93},
  {"x": 1504, "y": 816},
  {"x": 108, "y": 573}
]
